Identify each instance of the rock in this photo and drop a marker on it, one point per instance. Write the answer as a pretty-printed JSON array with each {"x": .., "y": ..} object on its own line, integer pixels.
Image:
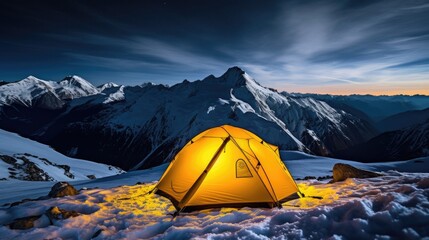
[
  {"x": 91, "y": 176},
  {"x": 61, "y": 189},
  {"x": 53, "y": 213},
  {"x": 321, "y": 178},
  {"x": 309, "y": 177},
  {"x": 8, "y": 159},
  {"x": 96, "y": 233},
  {"x": 24, "y": 223},
  {"x": 343, "y": 171},
  {"x": 25, "y": 169},
  {"x": 58, "y": 213}
]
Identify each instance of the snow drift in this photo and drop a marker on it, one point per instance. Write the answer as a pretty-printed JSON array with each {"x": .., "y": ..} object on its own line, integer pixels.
[{"x": 394, "y": 206}]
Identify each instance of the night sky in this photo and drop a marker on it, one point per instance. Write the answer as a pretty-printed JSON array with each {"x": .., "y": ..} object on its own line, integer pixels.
[{"x": 339, "y": 47}]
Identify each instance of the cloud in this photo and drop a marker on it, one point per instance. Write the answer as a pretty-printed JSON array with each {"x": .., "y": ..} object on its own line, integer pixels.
[
  {"x": 417, "y": 7},
  {"x": 300, "y": 43},
  {"x": 111, "y": 62},
  {"x": 140, "y": 52},
  {"x": 331, "y": 44}
]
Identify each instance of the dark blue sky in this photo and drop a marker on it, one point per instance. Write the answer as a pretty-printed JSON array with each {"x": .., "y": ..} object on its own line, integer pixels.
[{"x": 307, "y": 46}]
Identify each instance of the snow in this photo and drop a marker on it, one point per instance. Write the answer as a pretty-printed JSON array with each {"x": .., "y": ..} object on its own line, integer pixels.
[
  {"x": 244, "y": 107},
  {"x": 23, "y": 91},
  {"x": 107, "y": 86},
  {"x": 211, "y": 108},
  {"x": 182, "y": 111},
  {"x": 74, "y": 87},
  {"x": 115, "y": 96},
  {"x": 11, "y": 191},
  {"x": 394, "y": 206},
  {"x": 322, "y": 166},
  {"x": 26, "y": 91},
  {"x": 47, "y": 158}
]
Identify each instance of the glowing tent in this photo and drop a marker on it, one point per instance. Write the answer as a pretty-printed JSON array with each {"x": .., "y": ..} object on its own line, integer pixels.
[{"x": 227, "y": 167}]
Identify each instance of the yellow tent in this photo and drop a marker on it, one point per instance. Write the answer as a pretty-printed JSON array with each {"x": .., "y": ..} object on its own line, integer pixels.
[{"x": 227, "y": 167}]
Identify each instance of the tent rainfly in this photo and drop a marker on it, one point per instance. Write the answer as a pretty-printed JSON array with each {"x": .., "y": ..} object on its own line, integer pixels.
[{"x": 227, "y": 166}]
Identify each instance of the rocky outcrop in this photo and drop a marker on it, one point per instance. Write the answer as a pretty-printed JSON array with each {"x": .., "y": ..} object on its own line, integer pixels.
[
  {"x": 58, "y": 213},
  {"x": 24, "y": 169},
  {"x": 343, "y": 171},
  {"x": 92, "y": 176},
  {"x": 61, "y": 189},
  {"x": 24, "y": 223},
  {"x": 53, "y": 214}
]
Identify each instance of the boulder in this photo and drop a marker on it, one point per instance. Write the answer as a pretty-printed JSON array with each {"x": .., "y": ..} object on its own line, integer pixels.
[
  {"x": 24, "y": 223},
  {"x": 343, "y": 171},
  {"x": 58, "y": 213},
  {"x": 61, "y": 189}
]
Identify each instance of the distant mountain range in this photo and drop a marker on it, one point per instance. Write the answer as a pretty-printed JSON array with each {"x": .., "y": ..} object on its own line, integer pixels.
[
  {"x": 407, "y": 143},
  {"x": 137, "y": 127},
  {"x": 403, "y": 120}
]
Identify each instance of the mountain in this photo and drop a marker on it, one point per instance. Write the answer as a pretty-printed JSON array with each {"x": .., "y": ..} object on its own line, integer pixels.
[
  {"x": 24, "y": 159},
  {"x": 407, "y": 143},
  {"x": 37, "y": 93},
  {"x": 403, "y": 120},
  {"x": 372, "y": 108},
  {"x": 108, "y": 85},
  {"x": 143, "y": 126}
]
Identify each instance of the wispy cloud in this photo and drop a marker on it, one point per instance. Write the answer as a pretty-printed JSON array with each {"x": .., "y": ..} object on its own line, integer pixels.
[
  {"x": 132, "y": 52},
  {"x": 329, "y": 43}
]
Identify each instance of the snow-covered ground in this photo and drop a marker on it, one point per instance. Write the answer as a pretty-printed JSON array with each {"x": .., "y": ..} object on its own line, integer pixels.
[
  {"x": 392, "y": 206},
  {"x": 44, "y": 163},
  {"x": 301, "y": 165}
]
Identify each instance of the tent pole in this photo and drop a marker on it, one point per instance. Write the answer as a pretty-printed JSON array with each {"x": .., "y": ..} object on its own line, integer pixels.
[{"x": 200, "y": 179}]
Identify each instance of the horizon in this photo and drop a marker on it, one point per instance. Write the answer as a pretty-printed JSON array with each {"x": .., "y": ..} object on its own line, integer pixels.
[
  {"x": 217, "y": 76},
  {"x": 353, "y": 47}
]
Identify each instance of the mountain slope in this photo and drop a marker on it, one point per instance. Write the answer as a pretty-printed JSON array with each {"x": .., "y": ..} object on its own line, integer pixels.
[
  {"x": 24, "y": 159},
  {"x": 374, "y": 108},
  {"x": 403, "y": 120},
  {"x": 143, "y": 126},
  {"x": 411, "y": 142}
]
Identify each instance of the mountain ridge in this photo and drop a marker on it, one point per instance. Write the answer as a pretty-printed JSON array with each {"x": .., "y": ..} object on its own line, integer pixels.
[
  {"x": 146, "y": 125},
  {"x": 406, "y": 143}
]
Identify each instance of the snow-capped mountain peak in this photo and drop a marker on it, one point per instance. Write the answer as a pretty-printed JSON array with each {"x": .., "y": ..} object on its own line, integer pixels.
[
  {"x": 34, "y": 82},
  {"x": 32, "y": 91},
  {"x": 164, "y": 118},
  {"x": 75, "y": 86},
  {"x": 149, "y": 84},
  {"x": 74, "y": 80},
  {"x": 235, "y": 77},
  {"x": 108, "y": 85},
  {"x": 31, "y": 78},
  {"x": 28, "y": 92}
]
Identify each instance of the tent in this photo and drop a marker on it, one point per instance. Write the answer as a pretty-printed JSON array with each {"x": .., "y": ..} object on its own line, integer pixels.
[{"x": 227, "y": 166}]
